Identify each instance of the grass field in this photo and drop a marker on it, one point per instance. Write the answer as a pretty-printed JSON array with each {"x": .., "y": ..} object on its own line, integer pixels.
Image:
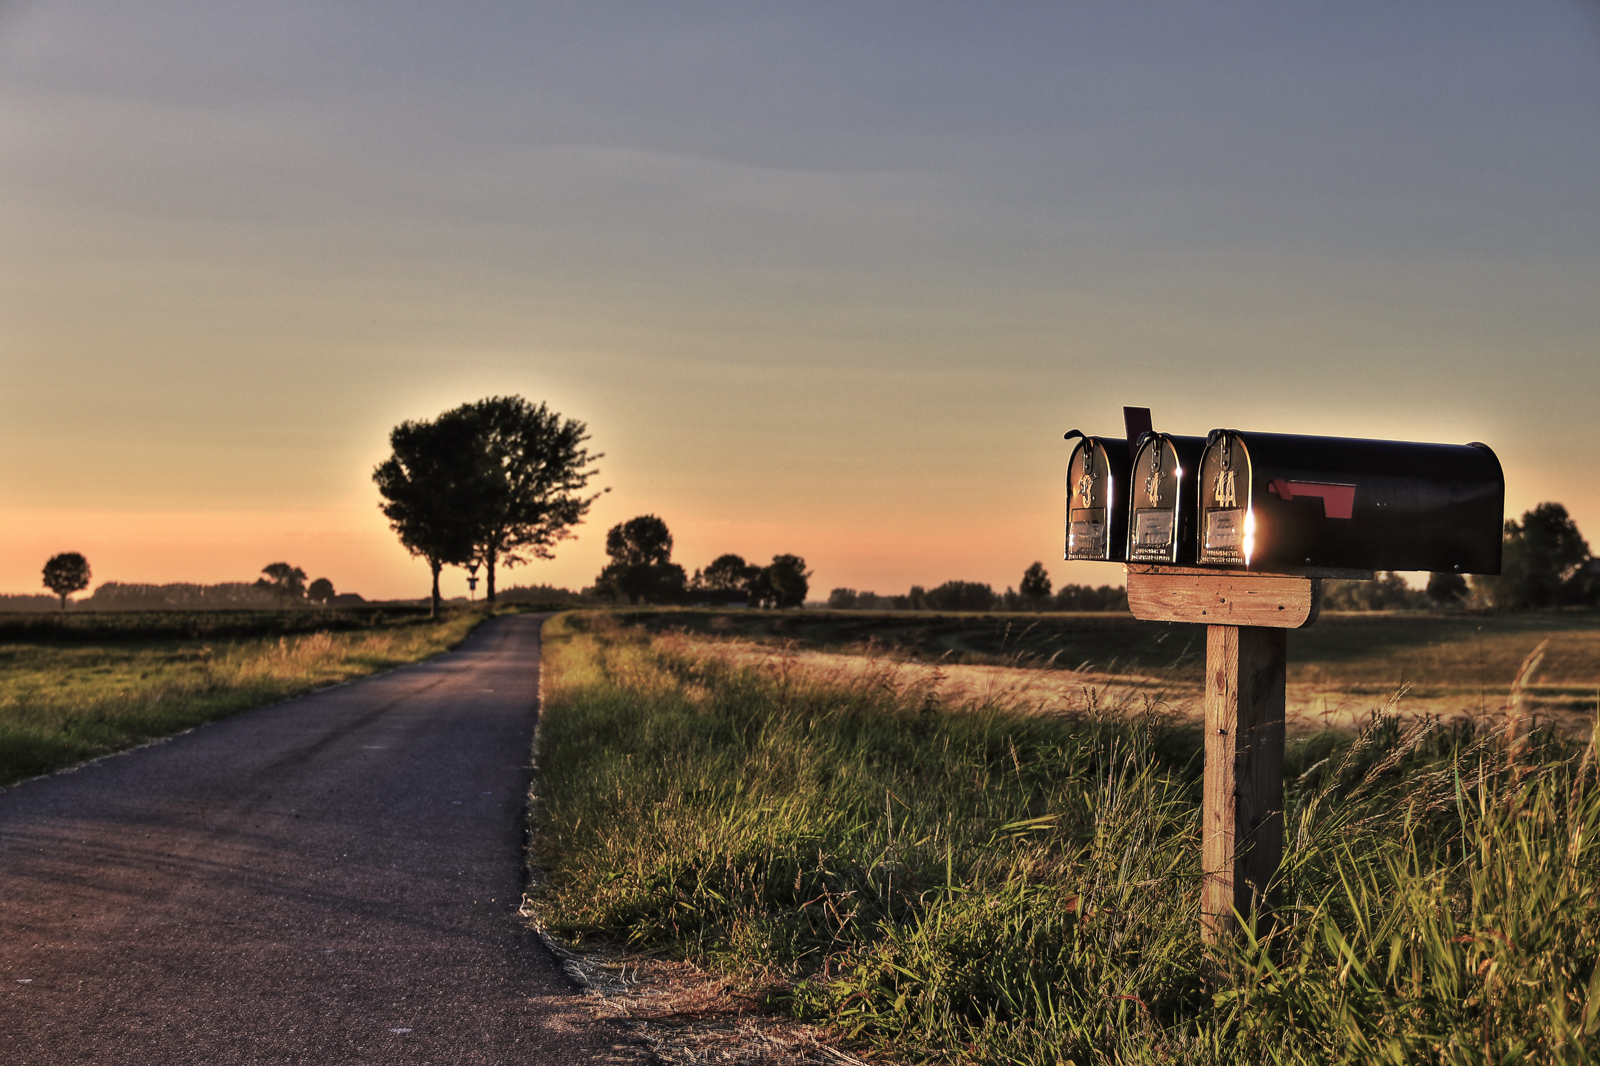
[
  {"x": 992, "y": 887},
  {"x": 79, "y": 686},
  {"x": 1459, "y": 660}
]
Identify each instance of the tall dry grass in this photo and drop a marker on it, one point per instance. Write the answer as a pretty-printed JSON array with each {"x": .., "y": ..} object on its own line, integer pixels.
[{"x": 992, "y": 887}]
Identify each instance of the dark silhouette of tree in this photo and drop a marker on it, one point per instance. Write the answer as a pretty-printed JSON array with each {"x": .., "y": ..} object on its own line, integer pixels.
[
  {"x": 1035, "y": 585},
  {"x": 762, "y": 594},
  {"x": 727, "y": 573},
  {"x": 321, "y": 591},
  {"x": 788, "y": 579},
  {"x": 644, "y": 540},
  {"x": 843, "y": 599},
  {"x": 434, "y": 487},
  {"x": 286, "y": 582},
  {"x": 961, "y": 596},
  {"x": 641, "y": 566},
  {"x": 1542, "y": 553},
  {"x": 65, "y": 574},
  {"x": 534, "y": 468}
]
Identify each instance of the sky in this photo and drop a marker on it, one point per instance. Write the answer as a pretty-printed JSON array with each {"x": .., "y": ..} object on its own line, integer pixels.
[{"x": 825, "y": 278}]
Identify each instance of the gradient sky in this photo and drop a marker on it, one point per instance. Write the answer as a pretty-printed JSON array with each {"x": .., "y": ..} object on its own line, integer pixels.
[{"x": 823, "y": 278}]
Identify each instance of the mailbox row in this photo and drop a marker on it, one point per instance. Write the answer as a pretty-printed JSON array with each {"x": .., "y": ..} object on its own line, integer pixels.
[{"x": 1284, "y": 501}]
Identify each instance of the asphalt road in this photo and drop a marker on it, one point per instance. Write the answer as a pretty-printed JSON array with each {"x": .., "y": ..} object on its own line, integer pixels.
[{"x": 330, "y": 880}]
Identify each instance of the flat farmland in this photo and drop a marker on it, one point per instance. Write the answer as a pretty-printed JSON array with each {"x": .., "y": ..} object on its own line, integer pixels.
[{"x": 1340, "y": 669}]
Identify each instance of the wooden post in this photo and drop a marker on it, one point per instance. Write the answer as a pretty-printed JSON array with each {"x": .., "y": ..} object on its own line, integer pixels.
[
  {"x": 1247, "y": 615},
  {"x": 1241, "y": 840}
]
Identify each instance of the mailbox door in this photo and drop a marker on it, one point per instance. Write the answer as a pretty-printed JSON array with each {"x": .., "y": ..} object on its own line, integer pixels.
[
  {"x": 1161, "y": 486},
  {"x": 1096, "y": 512},
  {"x": 1226, "y": 533}
]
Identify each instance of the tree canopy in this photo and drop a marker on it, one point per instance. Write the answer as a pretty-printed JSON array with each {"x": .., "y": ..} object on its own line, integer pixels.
[
  {"x": 641, "y": 566},
  {"x": 1035, "y": 585},
  {"x": 286, "y": 582},
  {"x": 434, "y": 487},
  {"x": 728, "y": 573},
  {"x": 1542, "y": 562},
  {"x": 789, "y": 580},
  {"x": 534, "y": 469},
  {"x": 65, "y": 574},
  {"x": 498, "y": 482}
]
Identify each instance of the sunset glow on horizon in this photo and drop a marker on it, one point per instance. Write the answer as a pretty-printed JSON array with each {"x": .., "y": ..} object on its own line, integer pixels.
[{"x": 829, "y": 279}]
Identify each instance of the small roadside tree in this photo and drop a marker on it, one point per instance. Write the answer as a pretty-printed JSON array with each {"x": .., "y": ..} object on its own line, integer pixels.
[
  {"x": 65, "y": 574},
  {"x": 1035, "y": 585},
  {"x": 321, "y": 591},
  {"x": 434, "y": 488},
  {"x": 641, "y": 566}
]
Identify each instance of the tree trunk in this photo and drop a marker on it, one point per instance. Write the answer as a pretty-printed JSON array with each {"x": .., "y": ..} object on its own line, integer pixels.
[
  {"x": 488, "y": 577},
  {"x": 63, "y": 603},
  {"x": 435, "y": 566}
]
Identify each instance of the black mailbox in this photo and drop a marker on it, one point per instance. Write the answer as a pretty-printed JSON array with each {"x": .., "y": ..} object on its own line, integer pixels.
[
  {"x": 1097, "y": 504},
  {"x": 1276, "y": 500},
  {"x": 1161, "y": 489}
]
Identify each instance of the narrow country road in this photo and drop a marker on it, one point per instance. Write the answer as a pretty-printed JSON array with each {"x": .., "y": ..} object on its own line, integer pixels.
[{"x": 330, "y": 880}]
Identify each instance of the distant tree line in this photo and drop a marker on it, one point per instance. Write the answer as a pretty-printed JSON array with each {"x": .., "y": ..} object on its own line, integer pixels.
[
  {"x": 641, "y": 570},
  {"x": 1033, "y": 593},
  {"x": 1545, "y": 563},
  {"x": 280, "y": 585}
]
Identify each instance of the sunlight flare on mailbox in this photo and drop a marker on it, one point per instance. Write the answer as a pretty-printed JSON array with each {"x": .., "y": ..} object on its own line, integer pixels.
[
  {"x": 1097, "y": 507},
  {"x": 1161, "y": 488},
  {"x": 1276, "y": 500}
]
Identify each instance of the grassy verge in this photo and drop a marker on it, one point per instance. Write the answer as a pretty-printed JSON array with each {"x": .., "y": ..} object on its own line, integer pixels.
[
  {"x": 85, "y": 693},
  {"x": 981, "y": 887}
]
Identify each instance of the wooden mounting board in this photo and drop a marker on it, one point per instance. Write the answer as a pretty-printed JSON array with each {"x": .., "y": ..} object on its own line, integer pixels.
[{"x": 1223, "y": 597}]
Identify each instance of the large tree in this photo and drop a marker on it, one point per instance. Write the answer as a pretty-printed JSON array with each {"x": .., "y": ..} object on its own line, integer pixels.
[
  {"x": 65, "y": 574},
  {"x": 641, "y": 566},
  {"x": 789, "y": 580},
  {"x": 434, "y": 488},
  {"x": 1542, "y": 553},
  {"x": 533, "y": 468},
  {"x": 728, "y": 573}
]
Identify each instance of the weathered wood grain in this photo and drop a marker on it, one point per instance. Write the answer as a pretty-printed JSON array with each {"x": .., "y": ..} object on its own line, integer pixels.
[
  {"x": 1241, "y": 840},
  {"x": 1223, "y": 597}
]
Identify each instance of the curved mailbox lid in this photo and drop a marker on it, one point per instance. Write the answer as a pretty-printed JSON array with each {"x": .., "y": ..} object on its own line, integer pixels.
[
  {"x": 1285, "y": 500},
  {"x": 1097, "y": 502},
  {"x": 1161, "y": 489}
]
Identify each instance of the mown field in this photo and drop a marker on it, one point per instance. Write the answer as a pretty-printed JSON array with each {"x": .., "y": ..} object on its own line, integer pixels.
[
  {"x": 78, "y": 686},
  {"x": 976, "y": 885}
]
